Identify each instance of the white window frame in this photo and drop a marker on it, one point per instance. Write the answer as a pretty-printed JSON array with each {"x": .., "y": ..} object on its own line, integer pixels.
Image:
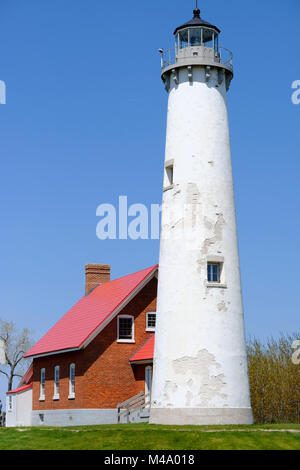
[
  {"x": 220, "y": 261},
  {"x": 150, "y": 328},
  {"x": 118, "y": 327},
  {"x": 71, "y": 381},
  {"x": 42, "y": 384},
  {"x": 56, "y": 383}
]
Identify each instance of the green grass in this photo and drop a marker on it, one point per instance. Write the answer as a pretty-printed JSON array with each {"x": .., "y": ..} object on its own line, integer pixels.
[{"x": 152, "y": 437}]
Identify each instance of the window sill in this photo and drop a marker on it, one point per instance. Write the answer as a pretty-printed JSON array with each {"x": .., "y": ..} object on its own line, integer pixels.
[
  {"x": 216, "y": 284},
  {"x": 56, "y": 397},
  {"x": 168, "y": 187},
  {"x": 42, "y": 399},
  {"x": 151, "y": 330},
  {"x": 71, "y": 397},
  {"x": 125, "y": 341}
]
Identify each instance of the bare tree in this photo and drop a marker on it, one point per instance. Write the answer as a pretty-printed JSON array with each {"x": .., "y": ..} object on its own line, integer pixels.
[{"x": 16, "y": 344}]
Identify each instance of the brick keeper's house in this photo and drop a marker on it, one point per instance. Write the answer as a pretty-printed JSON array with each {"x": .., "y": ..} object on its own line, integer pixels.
[{"x": 98, "y": 355}]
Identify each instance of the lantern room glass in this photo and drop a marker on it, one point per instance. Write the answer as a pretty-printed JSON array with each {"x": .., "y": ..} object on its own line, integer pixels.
[{"x": 189, "y": 37}]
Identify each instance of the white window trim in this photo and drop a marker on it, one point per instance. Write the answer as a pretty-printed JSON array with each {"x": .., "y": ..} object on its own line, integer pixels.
[
  {"x": 71, "y": 393},
  {"x": 56, "y": 392},
  {"x": 220, "y": 261},
  {"x": 125, "y": 340},
  {"x": 150, "y": 328},
  {"x": 42, "y": 389}
]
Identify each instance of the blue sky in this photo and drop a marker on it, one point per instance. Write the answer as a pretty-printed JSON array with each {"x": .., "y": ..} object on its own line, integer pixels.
[{"x": 85, "y": 122}]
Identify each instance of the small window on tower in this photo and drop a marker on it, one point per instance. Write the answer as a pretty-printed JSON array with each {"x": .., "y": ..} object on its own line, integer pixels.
[
  {"x": 168, "y": 180},
  {"x": 214, "y": 272}
]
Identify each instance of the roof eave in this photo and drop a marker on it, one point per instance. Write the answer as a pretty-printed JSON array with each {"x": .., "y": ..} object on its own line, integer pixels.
[
  {"x": 119, "y": 308},
  {"x": 209, "y": 26},
  {"x": 142, "y": 361},
  {"x": 110, "y": 317},
  {"x": 51, "y": 353}
]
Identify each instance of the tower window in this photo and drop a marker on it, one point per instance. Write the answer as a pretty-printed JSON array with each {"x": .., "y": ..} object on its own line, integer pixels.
[
  {"x": 125, "y": 329},
  {"x": 169, "y": 180},
  {"x": 214, "y": 272}
]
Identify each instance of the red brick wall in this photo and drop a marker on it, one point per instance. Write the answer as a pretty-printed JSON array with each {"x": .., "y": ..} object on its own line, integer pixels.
[{"x": 104, "y": 376}]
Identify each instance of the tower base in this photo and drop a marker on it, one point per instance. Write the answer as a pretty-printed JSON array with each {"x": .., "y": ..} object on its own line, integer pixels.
[{"x": 201, "y": 416}]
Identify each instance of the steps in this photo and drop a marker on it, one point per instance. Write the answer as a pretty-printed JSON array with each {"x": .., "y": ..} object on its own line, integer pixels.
[{"x": 135, "y": 410}]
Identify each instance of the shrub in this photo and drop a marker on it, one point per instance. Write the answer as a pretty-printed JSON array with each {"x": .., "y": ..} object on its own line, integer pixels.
[{"x": 274, "y": 380}]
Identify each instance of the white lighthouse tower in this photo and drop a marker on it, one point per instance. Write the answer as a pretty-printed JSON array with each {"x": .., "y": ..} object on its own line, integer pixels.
[{"x": 200, "y": 363}]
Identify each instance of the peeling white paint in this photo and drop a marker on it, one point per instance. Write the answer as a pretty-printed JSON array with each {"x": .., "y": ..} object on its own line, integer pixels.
[{"x": 200, "y": 353}]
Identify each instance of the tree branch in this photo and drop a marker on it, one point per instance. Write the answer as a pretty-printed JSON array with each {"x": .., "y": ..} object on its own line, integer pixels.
[{"x": 2, "y": 372}]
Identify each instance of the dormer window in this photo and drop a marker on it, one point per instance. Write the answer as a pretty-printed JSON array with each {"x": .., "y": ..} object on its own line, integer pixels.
[
  {"x": 151, "y": 321},
  {"x": 125, "y": 329}
]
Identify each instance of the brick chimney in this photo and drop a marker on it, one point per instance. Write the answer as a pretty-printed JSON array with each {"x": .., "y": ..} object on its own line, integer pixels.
[{"x": 96, "y": 274}]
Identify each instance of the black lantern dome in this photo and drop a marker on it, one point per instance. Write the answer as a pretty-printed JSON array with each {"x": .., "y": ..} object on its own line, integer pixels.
[{"x": 197, "y": 21}]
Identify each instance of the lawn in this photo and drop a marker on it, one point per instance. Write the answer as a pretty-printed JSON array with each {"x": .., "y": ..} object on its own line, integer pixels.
[{"x": 152, "y": 437}]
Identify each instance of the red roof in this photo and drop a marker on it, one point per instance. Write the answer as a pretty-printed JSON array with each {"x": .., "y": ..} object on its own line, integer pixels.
[
  {"x": 27, "y": 378},
  {"x": 20, "y": 389},
  {"x": 145, "y": 352},
  {"x": 25, "y": 382},
  {"x": 87, "y": 315}
]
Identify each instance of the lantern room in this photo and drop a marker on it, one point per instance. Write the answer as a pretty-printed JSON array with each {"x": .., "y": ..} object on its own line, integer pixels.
[{"x": 195, "y": 33}]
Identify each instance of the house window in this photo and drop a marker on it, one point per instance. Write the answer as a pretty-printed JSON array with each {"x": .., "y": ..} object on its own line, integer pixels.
[
  {"x": 42, "y": 384},
  {"x": 72, "y": 381},
  {"x": 151, "y": 321},
  {"x": 10, "y": 402},
  {"x": 148, "y": 381},
  {"x": 214, "y": 272},
  {"x": 126, "y": 329},
  {"x": 56, "y": 383}
]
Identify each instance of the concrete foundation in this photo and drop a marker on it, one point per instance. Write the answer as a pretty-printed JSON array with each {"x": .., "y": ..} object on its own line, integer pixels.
[
  {"x": 79, "y": 417},
  {"x": 201, "y": 416}
]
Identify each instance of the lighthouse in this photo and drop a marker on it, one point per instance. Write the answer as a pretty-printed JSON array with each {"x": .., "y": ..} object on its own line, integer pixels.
[{"x": 200, "y": 364}]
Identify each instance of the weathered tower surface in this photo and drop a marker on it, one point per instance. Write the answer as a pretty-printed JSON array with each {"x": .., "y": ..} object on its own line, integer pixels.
[{"x": 200, "y": 362}]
